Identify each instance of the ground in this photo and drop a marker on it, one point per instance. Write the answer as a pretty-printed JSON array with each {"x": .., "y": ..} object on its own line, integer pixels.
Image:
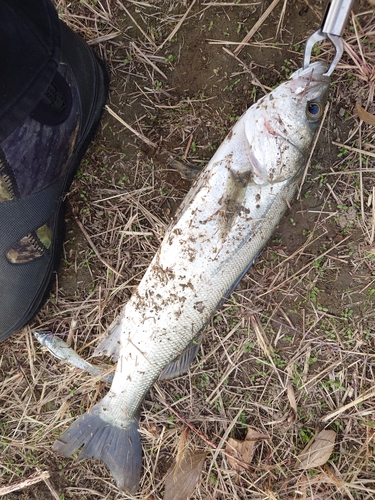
[{"x": 291, "y": 352}]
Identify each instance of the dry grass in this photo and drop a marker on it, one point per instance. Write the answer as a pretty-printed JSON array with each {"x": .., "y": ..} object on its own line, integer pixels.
[{"x": 299, "y": 330}]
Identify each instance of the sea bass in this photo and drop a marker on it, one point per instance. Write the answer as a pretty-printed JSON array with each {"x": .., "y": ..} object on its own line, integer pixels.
[{"x": 223, "y": 223}]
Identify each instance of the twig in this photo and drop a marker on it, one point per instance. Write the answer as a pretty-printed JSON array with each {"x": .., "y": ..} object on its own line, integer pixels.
[
  {"x": 254, "y": 80},
  {"x": 104, "y": 38},
  {"x": 144, "y": 58},
  {"x": 96, "y": 251},
  {"x": 356, "y": 402},
  {"x": 54, "y": 493},
  {"x": 280, "y": 48},
  {"x": 264, "y": 345},
  {"x": 356, "y": 150},
  {"x": 34, "y": 479},
  {"x": 190, "y": 140},
  {"x": 177, "y": 27},
  {"x": 318, "y": 15},
  {"x": 256, "y": 26},
  {"x": 135, "y": 22},
  {"x": 230, "y": 4},
  {"x": 361, "y": 173},
  {"x": 348, "y": 172},
  {"x": 282, "y": 15},
  {"x": 135, "y": 132},
  {"x": 373, "y": 217},
  {"x": 223, "y": 440},
  {"x": 312, "y": 151}
]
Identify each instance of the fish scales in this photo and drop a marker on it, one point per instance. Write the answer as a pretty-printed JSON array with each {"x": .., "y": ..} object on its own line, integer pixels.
[
  {"x": 181, "y": 302},
  {"x": 183, "y": 299},
  {"x": 225, "y": 220}
]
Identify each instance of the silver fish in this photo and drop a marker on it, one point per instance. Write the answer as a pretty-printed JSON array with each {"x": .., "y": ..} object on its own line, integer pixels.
[
  {"x": 225, "y": 220},
  {"x": 61, "y": 350}
]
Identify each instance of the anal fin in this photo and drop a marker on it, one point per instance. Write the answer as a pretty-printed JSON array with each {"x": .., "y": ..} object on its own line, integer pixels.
[
  {"x": 110, "y": 346},
  {"x": 180, "y": 365}
]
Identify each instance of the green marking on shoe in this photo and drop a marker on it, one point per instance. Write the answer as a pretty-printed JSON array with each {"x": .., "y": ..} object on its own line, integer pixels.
[{"x": 44, "y": 234}]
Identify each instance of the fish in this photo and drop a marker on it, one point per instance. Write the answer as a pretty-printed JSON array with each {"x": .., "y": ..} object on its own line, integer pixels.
[
  {"x": 223, "y": 223},
  {"x": 60, "y": 350}
]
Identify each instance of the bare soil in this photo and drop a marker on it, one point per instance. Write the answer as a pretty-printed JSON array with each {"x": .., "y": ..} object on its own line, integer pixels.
[{"x": 301, "y": 321}]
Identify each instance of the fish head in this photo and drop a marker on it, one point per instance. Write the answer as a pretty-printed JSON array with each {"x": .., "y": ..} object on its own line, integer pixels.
[
  {"x": 54, "y": 344},
  {"x": 42, "y": 337},
  {"x": 281, "y": 126}
]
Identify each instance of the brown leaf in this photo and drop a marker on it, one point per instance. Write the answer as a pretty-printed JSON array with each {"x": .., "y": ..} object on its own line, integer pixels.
[
  {"x": 243, "y": 450},
  {"x": 364, "y": 115},
  {"x": 181, "y": 450},
  {"x": 182, "y": 478},
  {"x": 318, "y": 451}
]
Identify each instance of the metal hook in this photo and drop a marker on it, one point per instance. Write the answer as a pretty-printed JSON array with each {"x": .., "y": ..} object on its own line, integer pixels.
[{"x": 333, "y": 25}]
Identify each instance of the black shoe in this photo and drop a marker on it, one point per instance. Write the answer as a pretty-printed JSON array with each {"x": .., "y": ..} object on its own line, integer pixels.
[{"x": 37, "y": 163}]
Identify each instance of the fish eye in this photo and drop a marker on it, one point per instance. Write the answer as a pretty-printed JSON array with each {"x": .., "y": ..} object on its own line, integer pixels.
[{"x": 314, "y": 109}]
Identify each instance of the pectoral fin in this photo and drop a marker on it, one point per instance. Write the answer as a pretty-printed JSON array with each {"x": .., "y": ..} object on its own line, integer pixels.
[{"x": 180, "y": 365}]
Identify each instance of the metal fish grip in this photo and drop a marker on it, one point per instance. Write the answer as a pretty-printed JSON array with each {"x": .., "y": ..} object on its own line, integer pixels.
[{"x": 332, "y": 27}]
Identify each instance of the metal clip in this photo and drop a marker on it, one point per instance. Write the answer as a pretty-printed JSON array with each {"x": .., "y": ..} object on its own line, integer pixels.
[{"x": 332, "y": 28}]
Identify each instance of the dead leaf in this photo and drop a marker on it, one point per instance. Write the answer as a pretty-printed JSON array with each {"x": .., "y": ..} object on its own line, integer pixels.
[
  {"x": 181, "y": 450},
  {"x": 183, "y": 478},
  {"x": 243, "y": 450},
  {"x": 318, "y": 451},
  {"x": 364, "y": 115}
]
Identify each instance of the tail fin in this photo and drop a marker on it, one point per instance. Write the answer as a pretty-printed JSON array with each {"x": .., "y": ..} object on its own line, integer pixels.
[{"x": 118, "y": 447}]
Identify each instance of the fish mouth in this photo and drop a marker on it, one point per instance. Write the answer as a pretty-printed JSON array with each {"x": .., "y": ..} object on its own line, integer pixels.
[
  {"x": 315, "y": 72},
  {"x": 310, "y": 82}
]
